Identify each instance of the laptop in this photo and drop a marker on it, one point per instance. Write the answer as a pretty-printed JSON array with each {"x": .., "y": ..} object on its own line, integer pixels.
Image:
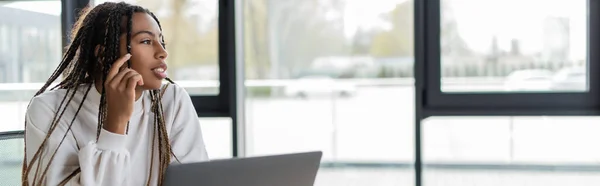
[{"x": 298, "y": 169}]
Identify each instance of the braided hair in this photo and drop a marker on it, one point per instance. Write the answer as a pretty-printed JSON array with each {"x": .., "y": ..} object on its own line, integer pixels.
[{"x": 81, "y": 66}]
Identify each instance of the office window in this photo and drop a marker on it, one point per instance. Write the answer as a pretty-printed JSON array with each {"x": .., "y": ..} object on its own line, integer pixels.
[
  {"x": 537, "y": 57},
  {"x": 4, "y": 37},
  {"x": 31, "y": 50},
  {"x": 532, "y": 150},
  {"x": 513, "y": 46},
  {"x": 11, "y": 156},
  {"x": 30, "y": 46},
  {"x": 191, "y": 32},
  {"x": 334, "y": 76},
  {"x": 517, "y": 61}
]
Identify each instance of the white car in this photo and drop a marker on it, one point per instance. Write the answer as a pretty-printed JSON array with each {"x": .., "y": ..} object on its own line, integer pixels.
[
  {"x": 570, "y": 79},
  {"x": 319, "y": 86},
  {"x": 529, "y": 80}
]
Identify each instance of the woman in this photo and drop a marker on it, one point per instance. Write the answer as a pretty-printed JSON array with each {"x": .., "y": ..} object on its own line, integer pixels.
[{"x": 111, "y": 120}]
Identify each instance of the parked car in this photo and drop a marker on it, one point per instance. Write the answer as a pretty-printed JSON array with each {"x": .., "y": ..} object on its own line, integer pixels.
[
  {"x": 314, "y": 86},
  {"x": 529, "y": 80},
  {"x": 570, "y": 79}
]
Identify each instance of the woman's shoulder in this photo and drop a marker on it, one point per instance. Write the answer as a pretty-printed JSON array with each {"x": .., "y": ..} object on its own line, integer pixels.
[
  {"x": 43, "y": 107},
  {"x": 47, "y": 100}
]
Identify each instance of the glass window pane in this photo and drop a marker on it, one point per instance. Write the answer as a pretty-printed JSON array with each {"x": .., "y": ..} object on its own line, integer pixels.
[
  {"x": 31, "y": 48},
  {"x": 335, "y": 76},
  {"x": 217, "y": 137},
  {"x": 536, "y": 150},
  {"x": 191, "y": 32},
  {"x": 513, "y": 45},
  {"x": 11, "y": 157}
]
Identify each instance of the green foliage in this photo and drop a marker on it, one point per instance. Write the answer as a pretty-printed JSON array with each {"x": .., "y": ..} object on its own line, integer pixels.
[{"x": 399, "y": 40}]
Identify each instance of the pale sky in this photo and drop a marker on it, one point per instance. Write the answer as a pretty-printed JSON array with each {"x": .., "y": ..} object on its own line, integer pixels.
[
  {"x": 478, "y": 20},
  {"x": 367, "y": 14},
  {"x": 46, "y": 7}
]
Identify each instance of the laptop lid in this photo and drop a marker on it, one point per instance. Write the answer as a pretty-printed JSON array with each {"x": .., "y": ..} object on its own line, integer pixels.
[{"x": 298, "y": 169}]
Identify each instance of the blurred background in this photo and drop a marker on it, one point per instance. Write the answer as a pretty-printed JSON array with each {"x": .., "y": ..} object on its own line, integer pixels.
[{"x": 337, "y": 76}]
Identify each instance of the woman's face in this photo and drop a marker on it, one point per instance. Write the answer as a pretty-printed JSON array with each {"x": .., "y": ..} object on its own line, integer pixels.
[{"x": 148, "y": 54}]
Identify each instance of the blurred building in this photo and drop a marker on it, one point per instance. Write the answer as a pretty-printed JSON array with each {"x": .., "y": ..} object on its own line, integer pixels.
[{"x": 30, "y": 49}]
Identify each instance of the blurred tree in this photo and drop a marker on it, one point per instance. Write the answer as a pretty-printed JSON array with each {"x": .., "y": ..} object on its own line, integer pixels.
[
  {"x": 452, "y": 44},
  {"x": 255, "y": 39},
  {"x": 190, "y": 42},
  {"x": 361, "y": 42},
  {"x": 398, "y": 41},
  {"x": 300, "y": 31},
  {"x": 279, "y": 35}
]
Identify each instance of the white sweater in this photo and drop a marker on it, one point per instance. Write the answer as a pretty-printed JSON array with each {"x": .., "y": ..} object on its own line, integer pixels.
[{"x": 115, "y": 159}]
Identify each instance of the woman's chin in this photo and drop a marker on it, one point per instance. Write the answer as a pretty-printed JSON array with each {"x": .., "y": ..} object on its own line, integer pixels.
[{"x": 152, "y": 85}]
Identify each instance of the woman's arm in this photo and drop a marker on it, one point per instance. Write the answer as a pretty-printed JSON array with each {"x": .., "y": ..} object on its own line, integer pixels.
[
  {"x": 186, "y": 136},
  {"x": 102, "y": 163}
]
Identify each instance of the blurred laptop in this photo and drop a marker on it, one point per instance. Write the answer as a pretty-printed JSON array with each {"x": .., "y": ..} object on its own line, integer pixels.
[{"x": 298, "y": 169}]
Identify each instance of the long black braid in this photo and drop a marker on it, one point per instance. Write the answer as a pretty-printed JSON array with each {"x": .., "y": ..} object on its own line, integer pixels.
[{"x": 81, "y": 66}]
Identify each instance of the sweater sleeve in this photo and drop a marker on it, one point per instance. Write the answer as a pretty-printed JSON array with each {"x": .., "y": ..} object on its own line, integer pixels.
[
  {"x": 186, "y": 134},
  {"x": 102, "y": 163}
]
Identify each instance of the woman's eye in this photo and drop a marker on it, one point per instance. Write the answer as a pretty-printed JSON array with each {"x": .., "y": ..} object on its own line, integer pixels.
[{"x": 147, "y": 42}]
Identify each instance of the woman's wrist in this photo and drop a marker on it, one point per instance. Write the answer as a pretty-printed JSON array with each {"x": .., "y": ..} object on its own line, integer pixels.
[{"x": 117, "y": 126}]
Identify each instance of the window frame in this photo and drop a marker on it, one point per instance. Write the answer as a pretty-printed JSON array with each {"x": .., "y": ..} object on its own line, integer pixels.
[
  {"x": 11, "y": 135},
  {"x": 438, "y": 103},
  {"x": 223, "y": 104},
  {"x": 430, "y": 100}
]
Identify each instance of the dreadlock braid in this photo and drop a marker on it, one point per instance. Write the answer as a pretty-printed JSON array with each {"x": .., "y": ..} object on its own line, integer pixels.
[
  {"x": 107, "y": 55},
  {"x": 67, "y": 61},
  {"x": 81, "y": 65}
]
